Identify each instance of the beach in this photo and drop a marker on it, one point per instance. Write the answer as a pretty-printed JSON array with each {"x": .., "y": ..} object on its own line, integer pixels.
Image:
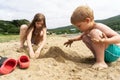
[{"x": 57, "y": 62}]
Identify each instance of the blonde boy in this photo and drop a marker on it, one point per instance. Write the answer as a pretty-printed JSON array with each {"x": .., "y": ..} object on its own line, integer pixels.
[{"x": 99, "y": 38}]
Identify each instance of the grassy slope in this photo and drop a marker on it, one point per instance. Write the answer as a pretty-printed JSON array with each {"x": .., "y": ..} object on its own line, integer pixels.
[{"x": 7, "y": 38}]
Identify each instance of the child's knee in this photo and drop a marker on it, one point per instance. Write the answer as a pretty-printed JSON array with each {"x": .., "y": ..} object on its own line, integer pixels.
[
  {"x": 23, "y": 27},
  {"x": 95, "y": 33}
]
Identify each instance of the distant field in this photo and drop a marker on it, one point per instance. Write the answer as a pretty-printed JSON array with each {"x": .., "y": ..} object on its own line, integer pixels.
[{"x": 7, "y": 38}]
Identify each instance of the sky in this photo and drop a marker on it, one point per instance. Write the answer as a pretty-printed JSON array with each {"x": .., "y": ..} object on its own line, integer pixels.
[{"x": 57, "y": 12}]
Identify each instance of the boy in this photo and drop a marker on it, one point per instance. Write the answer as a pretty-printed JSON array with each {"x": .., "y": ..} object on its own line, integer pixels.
[{"x": 97, "y": 37}]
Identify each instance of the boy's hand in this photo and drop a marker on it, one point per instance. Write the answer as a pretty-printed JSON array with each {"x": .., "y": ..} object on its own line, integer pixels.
[
  {"x": 98, "y": 40},
  {"x": 102, "y": 39},
  {"x": 68, "y": 43}
]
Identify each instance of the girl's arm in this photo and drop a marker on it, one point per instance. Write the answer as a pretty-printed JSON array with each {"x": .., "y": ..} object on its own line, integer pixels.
[
  {"x": 42, "y": 42},
  {"x": 31, "y": 52}
]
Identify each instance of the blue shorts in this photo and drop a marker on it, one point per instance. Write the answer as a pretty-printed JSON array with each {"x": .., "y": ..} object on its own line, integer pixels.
[{"x": 112, "y": 53}]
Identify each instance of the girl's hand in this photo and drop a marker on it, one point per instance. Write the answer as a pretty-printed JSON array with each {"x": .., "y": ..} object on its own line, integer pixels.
[
  {"x": 37, "y": 53},
  {"x": 68, "y": 43},
  {"x": 32, "y": 54}
]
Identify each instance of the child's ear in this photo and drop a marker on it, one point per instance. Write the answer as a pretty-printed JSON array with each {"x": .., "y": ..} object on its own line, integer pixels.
[{"x": 87, "y": 20}]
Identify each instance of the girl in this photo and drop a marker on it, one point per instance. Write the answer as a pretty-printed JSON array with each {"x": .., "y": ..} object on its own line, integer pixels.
[{"x": 35, "y": 33}]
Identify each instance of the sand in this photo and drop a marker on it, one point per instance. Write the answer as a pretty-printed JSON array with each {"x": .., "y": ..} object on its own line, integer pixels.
[{"x": 58, "y": 62}]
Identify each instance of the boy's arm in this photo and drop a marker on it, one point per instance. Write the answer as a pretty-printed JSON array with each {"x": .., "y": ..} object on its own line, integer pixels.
[
  {"x": 70, "y": 41},
  {"x": 109, "y": 36},
  {"x": 113, "y": 40},
  {"x": 77, "y": 38}
]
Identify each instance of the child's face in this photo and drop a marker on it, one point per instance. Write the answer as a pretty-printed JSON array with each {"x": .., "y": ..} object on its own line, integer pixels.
[
  {"x": 82, "y": 26},
  {"x": 39, "y": 24}
]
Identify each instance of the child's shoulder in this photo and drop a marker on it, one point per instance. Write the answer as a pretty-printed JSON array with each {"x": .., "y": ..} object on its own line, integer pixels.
[{"x": 100, "y": 25}]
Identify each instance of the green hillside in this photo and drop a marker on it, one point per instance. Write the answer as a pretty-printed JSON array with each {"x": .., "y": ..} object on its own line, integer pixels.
[
  {"x": 113, "y": 22},
  {"x": 66, "y": 29},
  {"x": 12, "y": 27}
]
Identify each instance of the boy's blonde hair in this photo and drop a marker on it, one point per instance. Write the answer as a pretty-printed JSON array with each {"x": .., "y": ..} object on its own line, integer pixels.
[{"x": 81, "y": 13}]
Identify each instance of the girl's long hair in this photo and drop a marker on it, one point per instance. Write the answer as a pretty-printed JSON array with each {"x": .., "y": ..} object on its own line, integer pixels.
[{"x": 38, "y": 17}]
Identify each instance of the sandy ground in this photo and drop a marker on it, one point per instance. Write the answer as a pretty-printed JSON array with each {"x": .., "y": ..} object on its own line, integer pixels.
[{"x": 57, "y": 62}]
